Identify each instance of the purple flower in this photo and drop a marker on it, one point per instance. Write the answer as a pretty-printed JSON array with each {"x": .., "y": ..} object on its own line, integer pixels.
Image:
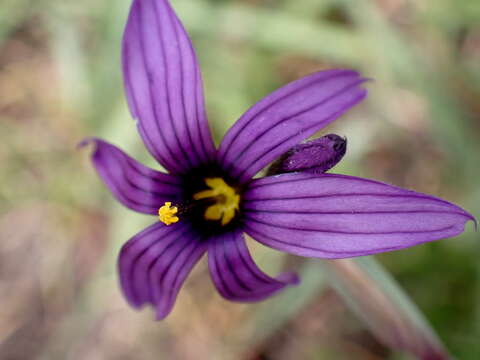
[{"x": 209, "y": 198}]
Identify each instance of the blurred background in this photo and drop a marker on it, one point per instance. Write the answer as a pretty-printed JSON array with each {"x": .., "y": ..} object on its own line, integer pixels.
[{"x": 60, "y": 229}]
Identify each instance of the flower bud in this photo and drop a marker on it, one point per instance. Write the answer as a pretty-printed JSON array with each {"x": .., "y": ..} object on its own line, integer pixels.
[{"x": 314, "y": 156}]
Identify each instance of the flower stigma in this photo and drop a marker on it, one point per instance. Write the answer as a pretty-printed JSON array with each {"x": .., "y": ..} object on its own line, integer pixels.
[
  {"x": 226, "y": 200},
  {"x": 167, "y": 213}
]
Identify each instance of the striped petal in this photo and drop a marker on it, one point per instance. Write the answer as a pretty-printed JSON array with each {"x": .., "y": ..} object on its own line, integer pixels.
[
  {"x": 164, "y": 87},
  {"x": 336, "y": 216},
  {"x": 137, "y": 187},
  {"x": 154, "y": 264},
  {"x": 286, "y": 117},
  {"x": 236, "y": 275}
]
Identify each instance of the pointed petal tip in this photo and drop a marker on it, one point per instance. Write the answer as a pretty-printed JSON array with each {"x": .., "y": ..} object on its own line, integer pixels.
[
  {"x": 289, "y": 278},
  {"x": 92, "y": 141},
  {"x": 362, "y": 95},
  {"x": 85, "y": 142},
  {"x": 360, "y": 79},
  {"x": 473, "y": 219},
  {"x": 354, "y": 73},
  {"x": 160, "y": 315},
  {"x": 134, "y": 304},
  {"x": 468, "y": 217}
]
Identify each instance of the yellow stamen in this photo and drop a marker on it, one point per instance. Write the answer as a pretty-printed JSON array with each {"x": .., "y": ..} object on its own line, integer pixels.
[
  {"x": 167, "y": 213},
  {"x": 227, "y": 200}
]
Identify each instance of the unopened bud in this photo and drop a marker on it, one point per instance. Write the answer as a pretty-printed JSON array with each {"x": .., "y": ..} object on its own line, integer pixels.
[{"x": 315, "y": 156}]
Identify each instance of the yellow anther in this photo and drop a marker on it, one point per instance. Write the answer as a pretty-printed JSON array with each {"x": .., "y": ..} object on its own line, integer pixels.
[
  {"x": 167, "y": 213},
  {"x": 226, "y": 200}
]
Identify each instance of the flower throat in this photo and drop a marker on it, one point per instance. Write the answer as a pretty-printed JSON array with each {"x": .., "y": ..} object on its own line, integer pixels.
[{"x": 219, "y": 203}]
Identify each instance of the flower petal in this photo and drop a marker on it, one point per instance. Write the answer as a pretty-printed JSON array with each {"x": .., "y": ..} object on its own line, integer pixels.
[
  {"x": 154, "y": 264},
  {"x": 133, "y": 184},
  {"x": 337, "y": 216},
  {"x": 236, "y": 275},
  {"x": 164, "y": 87},
  {"x": 287, "y": 116}
]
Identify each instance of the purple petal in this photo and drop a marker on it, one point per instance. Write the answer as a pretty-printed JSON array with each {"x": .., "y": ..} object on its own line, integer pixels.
[
  {"x": 133, "y": 184},
  {"x": 164, "y": 87},
  {"x": 154, "y": 264},
  {"x": 336, "y": 216},
  {"x": 236, "y": 275},
  {"x": 287, "y": 116}
]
